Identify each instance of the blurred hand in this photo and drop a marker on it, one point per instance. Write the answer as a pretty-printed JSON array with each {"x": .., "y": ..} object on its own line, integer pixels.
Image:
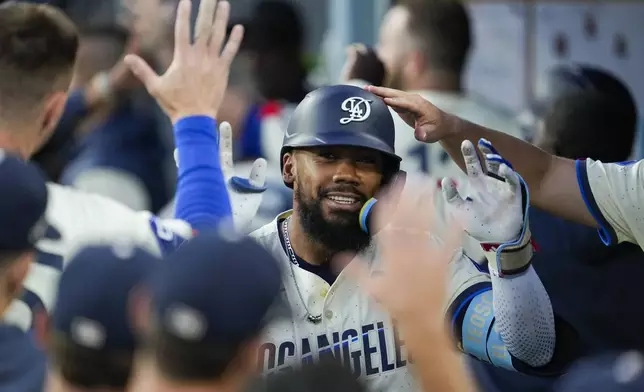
[
  {"x": 363, "y": 64},
  {"x": 413, "y": 284},
  {"x": 149, "y": 21},
  {"x": 197, "y": 78},
  {"x": 104, "y": 86},
  {"x": 429, "y": 122}
]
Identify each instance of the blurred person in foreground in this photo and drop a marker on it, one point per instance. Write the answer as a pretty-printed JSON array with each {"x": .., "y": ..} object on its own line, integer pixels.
[
  {"x": 202, "y": 314},
  {"x": 573, "y": 125},
  {"x": 425, "y": 46},
  {"x": 91, "y": 340},
  {"x": 338, "y": 153},
  {"x": 38, "y": 52},
  {"x": 22, "y": 208}
]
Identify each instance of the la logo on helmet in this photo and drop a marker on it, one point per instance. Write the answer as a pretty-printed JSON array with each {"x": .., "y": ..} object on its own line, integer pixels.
[{"x": 358, "y": 109}]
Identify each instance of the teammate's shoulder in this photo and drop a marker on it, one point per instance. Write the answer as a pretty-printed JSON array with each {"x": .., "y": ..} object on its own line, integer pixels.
[
  {"x": 68, "y": 195},
  {"x": 612, "y": 170}
]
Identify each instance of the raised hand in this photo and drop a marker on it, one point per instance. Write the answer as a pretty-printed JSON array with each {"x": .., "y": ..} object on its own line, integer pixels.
[
  {"x": 494, "y": 211},
  {"x": 429, "y": 122},
  {"x": 197, "y": 78},
  {"x": 363, "y": 64},
  {"x": 245, "y": 193},
  {"x": 493, "y": 208}
]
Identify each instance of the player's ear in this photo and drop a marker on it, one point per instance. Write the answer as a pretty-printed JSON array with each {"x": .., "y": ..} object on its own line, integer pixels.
[
  {"x": 54, "y": 107},
  {"x": 139, "y": 308},
  {"x": 288, "y": 168}
]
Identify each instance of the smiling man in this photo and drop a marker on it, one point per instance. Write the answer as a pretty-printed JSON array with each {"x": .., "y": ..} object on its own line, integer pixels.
[{"x": 338, "y": 153}]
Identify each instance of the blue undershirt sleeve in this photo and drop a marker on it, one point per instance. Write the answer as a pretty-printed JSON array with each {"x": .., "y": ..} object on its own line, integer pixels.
[{"x": 202, "y": 196}]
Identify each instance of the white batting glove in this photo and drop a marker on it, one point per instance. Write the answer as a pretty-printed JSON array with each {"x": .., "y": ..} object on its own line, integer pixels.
[
  {"x": 495, "y": 212},
  {"x": 245, "y": 193}
]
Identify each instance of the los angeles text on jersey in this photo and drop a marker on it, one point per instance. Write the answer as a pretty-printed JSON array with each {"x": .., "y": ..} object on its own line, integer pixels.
[{"x": 371, "y": 349}]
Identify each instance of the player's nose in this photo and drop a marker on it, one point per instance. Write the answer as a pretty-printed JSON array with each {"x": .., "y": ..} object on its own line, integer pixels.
[{"x": 345, "y": 172}]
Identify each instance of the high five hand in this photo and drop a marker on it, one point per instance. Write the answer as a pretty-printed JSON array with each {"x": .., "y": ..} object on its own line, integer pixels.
[
  {"x": 196, "y": 80},
  {"x": 495, "y": 211},
  {"x": 428, "y": 121}
]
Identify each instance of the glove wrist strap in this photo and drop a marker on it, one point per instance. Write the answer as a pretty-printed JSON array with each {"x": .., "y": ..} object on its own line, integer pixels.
[{"x": 510, "y": 258}]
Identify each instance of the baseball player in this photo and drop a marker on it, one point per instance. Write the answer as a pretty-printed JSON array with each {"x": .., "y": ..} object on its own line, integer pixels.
[
  {"x": 337, "y": 153},
  {"x": 602, "y": 195},
  {"x": 425, "y": 47},
  {"x": 77, "y": 219}
]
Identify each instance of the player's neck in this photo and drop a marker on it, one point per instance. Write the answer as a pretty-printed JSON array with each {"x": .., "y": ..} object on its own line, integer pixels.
[
  {"x": 304, "y": 246},
  {"x": 9, "y": 141},
  {"x": 4, "y": 305}
]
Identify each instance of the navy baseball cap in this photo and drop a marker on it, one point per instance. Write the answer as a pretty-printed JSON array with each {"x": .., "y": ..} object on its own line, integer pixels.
[
  {"x": 22, "y": 204},
  {"x": 92, "y": 309},
  {"x": 622, "y": 372},
  {"x": 215, "y": 291}
]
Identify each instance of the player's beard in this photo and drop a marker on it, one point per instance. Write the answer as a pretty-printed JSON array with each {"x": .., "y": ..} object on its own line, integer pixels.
[{"x": 340, "y": 235}]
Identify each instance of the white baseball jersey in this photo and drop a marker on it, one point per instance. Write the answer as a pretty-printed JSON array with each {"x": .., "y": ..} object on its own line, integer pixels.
[
  {"x": 614, "y": 194},
  {"x": 77, "y": 219},
  {"x": 432, "y": 158},
  {"x": 353, "y": 327}
]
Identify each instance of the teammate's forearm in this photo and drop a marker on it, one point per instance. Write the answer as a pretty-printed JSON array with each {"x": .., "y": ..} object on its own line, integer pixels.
[
  {"x": 552, "y": 180},
  {"x": 202, "y": 198},
  {"x": 528, "y": 160}
]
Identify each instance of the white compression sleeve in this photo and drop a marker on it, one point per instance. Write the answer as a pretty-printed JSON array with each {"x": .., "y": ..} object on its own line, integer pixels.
[{"x": 524, "y": 317}]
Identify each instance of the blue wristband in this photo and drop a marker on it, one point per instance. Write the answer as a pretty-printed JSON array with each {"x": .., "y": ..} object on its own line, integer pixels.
[
  {"x": 364, "y": 214},
  {"x": 497, "y": 352},
  {"x": 479, "y": 318}
]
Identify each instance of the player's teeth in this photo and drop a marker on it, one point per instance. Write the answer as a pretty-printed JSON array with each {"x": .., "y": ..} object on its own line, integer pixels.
[{"x": 343, "y": 200}]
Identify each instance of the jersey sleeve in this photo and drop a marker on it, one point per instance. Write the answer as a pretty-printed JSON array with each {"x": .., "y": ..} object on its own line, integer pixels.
[
  {"x": 614, "y": 193},
  {"x": 87, "y": 219}
]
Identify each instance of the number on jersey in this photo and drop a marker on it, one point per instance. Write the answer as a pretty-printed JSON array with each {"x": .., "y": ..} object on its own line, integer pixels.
[{"x": 167, "y": 237}]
